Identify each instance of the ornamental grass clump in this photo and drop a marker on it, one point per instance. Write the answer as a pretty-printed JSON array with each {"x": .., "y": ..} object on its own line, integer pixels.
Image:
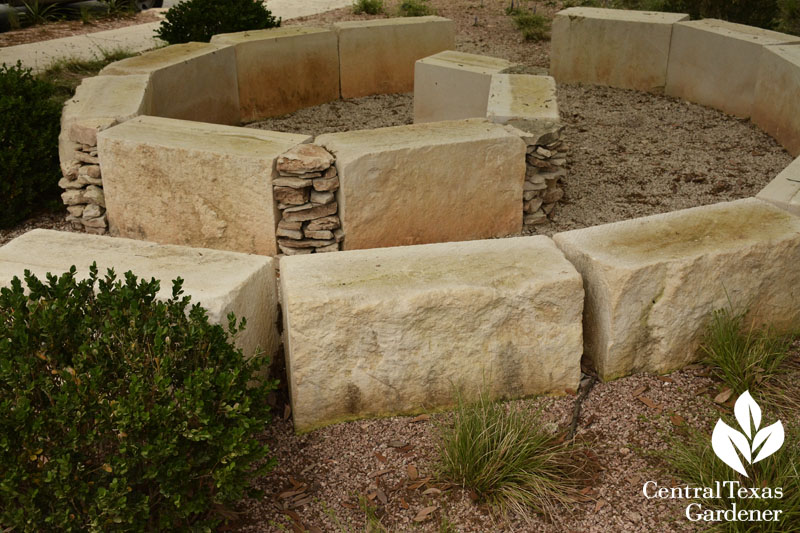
[
  {"x": 506, "y": 457},
  {"x": 744, "y": 357},
  {"x": 119, "y": 412}
]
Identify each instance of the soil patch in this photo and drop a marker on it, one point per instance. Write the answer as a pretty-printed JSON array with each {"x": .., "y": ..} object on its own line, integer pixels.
[{"x": 365, "y": 113}]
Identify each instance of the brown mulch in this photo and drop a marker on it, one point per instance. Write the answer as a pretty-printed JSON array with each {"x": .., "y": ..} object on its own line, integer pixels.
[{"x": 69, "y": 28}]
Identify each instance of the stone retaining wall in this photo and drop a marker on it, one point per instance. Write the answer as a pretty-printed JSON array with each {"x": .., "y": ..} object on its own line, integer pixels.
[
  {"x": 427, "y": 183},
  {"x": 397, "y": 330},
  {"x": 192, "y": 183}
]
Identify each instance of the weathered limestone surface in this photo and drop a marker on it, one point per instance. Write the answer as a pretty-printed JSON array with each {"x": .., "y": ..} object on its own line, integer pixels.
[
  {"x": 652, "y": 283},
  {"x": 281, "y": 70},
  {"x": 194, "y": 184},
  {"x": 523, "y": 101},
  {"x": 776, "y": 102},
  {"x": 378, "y": 56},
  {"x": 453, "y": 85},
  {"x": 784, "y": 190},
  {"x": 716, "y": 63},
  {"x": 424, "y": 183},
  {"x": 390, "y": 331},
  {"x": 222, "y": 282},
  {"x": 192, "y": 81},
  {"x": 620, "y": 48},
  {"x": 99, "y": 103}
]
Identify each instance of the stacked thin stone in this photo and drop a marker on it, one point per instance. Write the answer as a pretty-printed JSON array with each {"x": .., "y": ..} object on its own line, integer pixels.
[
  {"x": 305, "y": 191},
  {"x": 546, "y": 159},
  {"x": 83, "y": 195}
]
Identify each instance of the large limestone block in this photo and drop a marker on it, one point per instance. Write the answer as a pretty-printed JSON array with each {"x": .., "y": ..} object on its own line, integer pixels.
[
  {"x": 523, "y": 101},
  {"x": 716, "y": 63},
  {"x": 192, "y": 81},
  {"x": 378, "y": 56},
  {"x": 222, "y": 282},
  {"x": 395, "y": 330},
  {"x": 776, "y": 102},
  {"x": 190, "y": 183},
  {"x": 784, "y": 190},
  {"x": 281, "y": 70},
  {"x": 453, "y": 85},
  {"x": 99, "y": 103},
  {"x": 425, "y": 183},
  {"x": 627, "y": 49},
  {"x": 652, "y": 283}
]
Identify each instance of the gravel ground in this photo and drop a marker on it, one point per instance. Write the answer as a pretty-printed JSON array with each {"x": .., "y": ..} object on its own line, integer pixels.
[{"x": 334, "y": 466}]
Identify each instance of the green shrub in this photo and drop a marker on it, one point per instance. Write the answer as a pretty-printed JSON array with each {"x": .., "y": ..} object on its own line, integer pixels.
[
  {"x": 29, "y": 127},
  {"x": 789, "y": 16},
  {"x": 119, "y": 412},
  {"x": 415, "y": 8},
  {"x": 534, "y": 27},
  {"x": 199, "y": 20},
  {"x": 508, "y": 459},
  {"x": 370, "y": 7}
]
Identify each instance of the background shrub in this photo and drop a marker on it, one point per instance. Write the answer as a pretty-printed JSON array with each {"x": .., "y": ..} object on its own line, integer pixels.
[
  {"x": 415, "y": 8},
  {"x": 370, "y": 7},
  {"x": 29, "y": 169},
  {"x": 199, "y": 20},
  {"x": 119, "y": 412},
  {"x": 534, "y": 27}
]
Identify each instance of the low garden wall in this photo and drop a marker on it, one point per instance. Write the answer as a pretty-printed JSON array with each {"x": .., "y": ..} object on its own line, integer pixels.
[
  {"x": 406, "y": 196},
  {"x": 394, "y": 325}
]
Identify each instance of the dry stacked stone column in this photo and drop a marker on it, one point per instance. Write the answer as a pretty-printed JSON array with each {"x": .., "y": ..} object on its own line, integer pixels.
[
  {"x": 305, "y": 191},
  {"x": 83, "y": 193},
  {"x": 546, "y": 159}
]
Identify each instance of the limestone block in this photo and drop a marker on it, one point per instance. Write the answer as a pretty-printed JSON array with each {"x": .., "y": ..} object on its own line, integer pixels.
[
  {"x": 281, "y": 70},
  {"x": 784, "y": 190},
  {"x": 222, "y": 282},
  {"x": 776, "y": 101},
  {"x": 652, "y": 283},
  {"x": 194, "y": 184},
  {"x": 192, "y": 81},
  {"x": 378, "y": 56},
  {"x": 424, "y": 183},
  {"x": 99, "y": 103},
  {"x": 392, "y": 331},
  {"x": 523, "y": 101},
  {"x": 453, "y": 85},
  {"x": 627, "y": 49},
  {"x": 716, "y": 63}
]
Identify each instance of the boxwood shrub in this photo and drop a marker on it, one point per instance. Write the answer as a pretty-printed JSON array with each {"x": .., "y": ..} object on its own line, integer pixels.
[
  {"x": 119, "y": 412},
  {"x": 29, "y": 126},
  {"x": 199, "y": 20}
]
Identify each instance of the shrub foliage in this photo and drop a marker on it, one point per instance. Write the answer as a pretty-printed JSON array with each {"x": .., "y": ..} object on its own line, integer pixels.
[
  {"x": 119, "y": 412},
  {"x": 29, "y": 127},
  {"x": 199, "y": 20}
]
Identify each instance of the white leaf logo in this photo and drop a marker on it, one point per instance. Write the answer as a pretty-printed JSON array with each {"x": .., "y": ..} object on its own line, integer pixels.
[{"x": 726, "y": 441}]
